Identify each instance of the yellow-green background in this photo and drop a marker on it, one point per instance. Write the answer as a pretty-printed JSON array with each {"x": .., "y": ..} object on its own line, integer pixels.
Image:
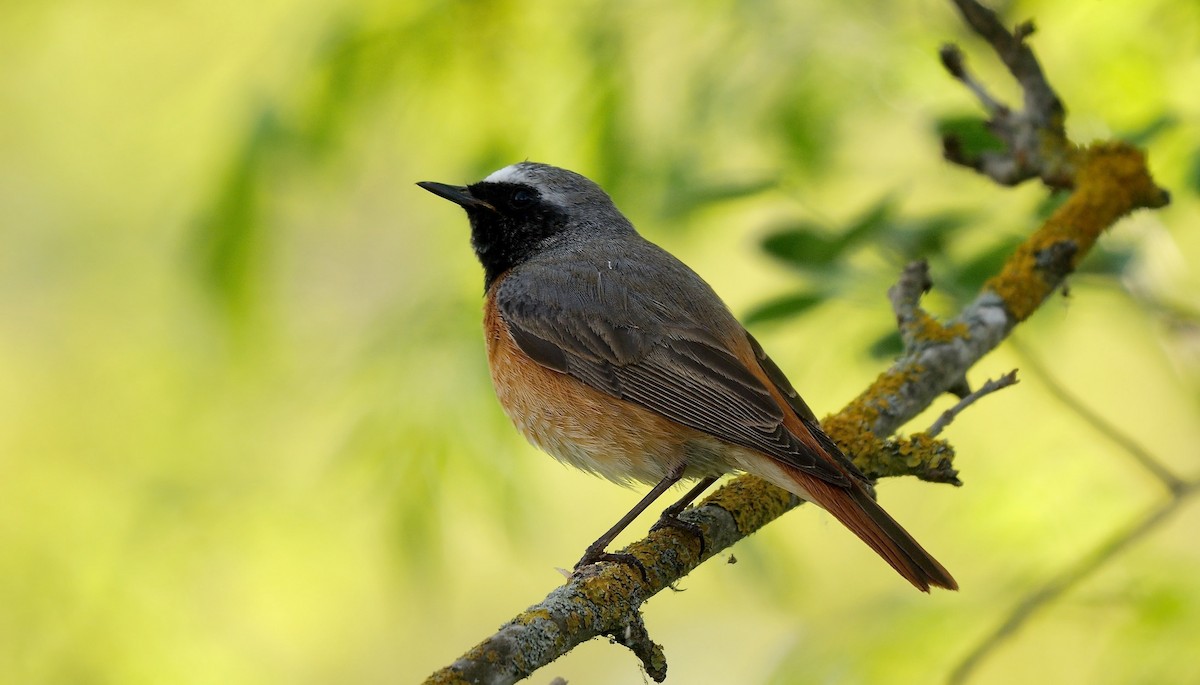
[{"x": 246, "y": 432}]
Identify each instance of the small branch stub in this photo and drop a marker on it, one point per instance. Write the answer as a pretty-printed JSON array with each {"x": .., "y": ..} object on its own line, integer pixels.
[
  {"x": 987, "y": 388},
  {"x": 635, "y": 636}
]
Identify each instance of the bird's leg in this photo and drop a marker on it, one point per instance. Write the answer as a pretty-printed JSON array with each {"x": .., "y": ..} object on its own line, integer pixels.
[
  {"x": 595, "y": 551},
  {"x": 670, "y": 516}
]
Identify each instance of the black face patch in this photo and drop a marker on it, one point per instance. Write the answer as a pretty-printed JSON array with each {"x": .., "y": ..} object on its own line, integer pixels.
[{"x": 518, "y": 223}]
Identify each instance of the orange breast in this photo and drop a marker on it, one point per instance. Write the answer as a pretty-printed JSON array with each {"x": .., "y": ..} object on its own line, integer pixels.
[{"x": 587, "y": 428}]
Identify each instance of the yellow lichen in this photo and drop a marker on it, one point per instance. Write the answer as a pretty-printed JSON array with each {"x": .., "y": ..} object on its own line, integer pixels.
[
  {"x": 853, "y": 428},
  {"x": 529, "y": 617},
  {"x": 918, "y": 454},
  {"x": 751, "y": 503},
  {"x": 925, "y": 328},
  {"x": 1111, "y": 180}
]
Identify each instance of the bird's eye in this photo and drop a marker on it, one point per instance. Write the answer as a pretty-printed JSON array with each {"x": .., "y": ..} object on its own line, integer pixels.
[{"x": 521, "y": 198}]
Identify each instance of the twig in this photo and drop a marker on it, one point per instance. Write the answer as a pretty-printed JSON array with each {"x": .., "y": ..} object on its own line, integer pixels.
[
  {"x": 905, "y": 295},
  {"x": 956, "y": 64},
  {"x": 1143, "y": 457},
  {"x": 636, "y": 638},
  {"x": 991, "y": 386},
  {"x": 1064, "y": 582},
  {"x": 918, "y": 328},
  {"x": 1041, "y": 102},
  {"x": 1034, "y": 137}
]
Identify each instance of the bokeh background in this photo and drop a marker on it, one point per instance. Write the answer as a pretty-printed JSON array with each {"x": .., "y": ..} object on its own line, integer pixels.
[{"x": 246, "y": 430}]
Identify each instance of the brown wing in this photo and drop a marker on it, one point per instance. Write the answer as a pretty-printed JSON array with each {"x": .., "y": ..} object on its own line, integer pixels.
[
  {"x": 668, "y": 363},
  {"x": 806, "y": 415}
]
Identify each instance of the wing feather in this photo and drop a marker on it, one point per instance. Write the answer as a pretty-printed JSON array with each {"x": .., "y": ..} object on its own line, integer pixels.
[{"x": 674, "y": 367}]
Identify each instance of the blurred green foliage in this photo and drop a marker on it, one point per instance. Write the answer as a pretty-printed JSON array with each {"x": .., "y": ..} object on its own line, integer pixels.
[{"x": 247, "y": 433}]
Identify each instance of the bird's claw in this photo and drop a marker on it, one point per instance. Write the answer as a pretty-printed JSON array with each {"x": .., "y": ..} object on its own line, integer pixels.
[
  {"x": 668, "y": 520},
  {"x": 595, "y": 556}
]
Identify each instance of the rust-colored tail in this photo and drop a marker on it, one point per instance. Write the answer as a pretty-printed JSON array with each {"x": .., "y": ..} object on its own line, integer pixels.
[{"x": 855, "y": 508}]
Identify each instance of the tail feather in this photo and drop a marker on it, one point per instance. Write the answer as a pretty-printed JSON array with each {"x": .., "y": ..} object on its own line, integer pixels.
[{"x": 856, "y": 510}]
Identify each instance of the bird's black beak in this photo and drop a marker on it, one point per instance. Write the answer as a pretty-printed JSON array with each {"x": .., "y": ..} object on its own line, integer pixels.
[{"x": 459, "y": 195}]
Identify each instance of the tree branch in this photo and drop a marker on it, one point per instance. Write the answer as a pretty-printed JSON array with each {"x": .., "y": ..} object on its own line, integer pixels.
[
  {"x": 1056, "y": 587},
  {"x": 1139, "y": 454},
  {"x": 1109, "y": 181}
]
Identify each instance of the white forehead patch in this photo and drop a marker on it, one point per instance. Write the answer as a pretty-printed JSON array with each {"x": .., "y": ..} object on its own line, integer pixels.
[
  {"x": 524, "y": 174},
  {"x": 509, "y": 174}
]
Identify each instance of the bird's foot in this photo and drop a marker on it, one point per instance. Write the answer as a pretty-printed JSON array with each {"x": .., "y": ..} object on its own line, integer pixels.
[
  {"x": 595, "y": 555},
  {"x": 671, "y": 520}
]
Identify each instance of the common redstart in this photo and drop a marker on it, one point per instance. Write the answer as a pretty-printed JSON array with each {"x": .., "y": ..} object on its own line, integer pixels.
[{"x": 615, "y": 357}]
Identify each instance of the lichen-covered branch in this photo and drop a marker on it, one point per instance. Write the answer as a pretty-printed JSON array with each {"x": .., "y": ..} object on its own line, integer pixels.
[{"x": 1109, "y": 180}]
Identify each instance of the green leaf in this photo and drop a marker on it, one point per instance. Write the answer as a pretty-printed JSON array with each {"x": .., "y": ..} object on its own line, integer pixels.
[
  {"x": 1147, "y": 133},
  {"x": 970, "y": 277},
  {"x": 810, "y": 245},
  {"x": 807, "y": 245},
  {"x": 1193, "y": 175},
  {"x": 785, "y": 307},
  {"x": 229, "y": 234},
  {"x": 887, "y": 346},
  {"x": 1050, "y": 204},
  {"x": 972, "y": 134},
  {"x": 1107, "y": 261},
  {"x": 731, "y": 190},
  {"x": 925, "y": 237},
  {"x": 689, "y": 194},
  {"x": 804, "y": 126},
  {"x": 873, "y": 221}
]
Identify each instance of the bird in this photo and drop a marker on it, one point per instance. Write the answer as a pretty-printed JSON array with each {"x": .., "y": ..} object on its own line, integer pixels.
[{"x": 615, "y": 357}]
